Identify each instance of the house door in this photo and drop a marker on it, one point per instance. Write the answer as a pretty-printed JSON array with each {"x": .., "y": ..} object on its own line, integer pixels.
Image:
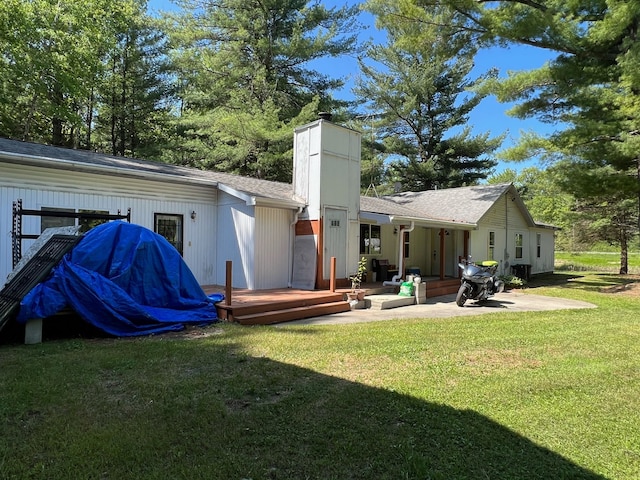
[
  {"x": 335, "y": 242},
  {"x": 448, "y": 254}
]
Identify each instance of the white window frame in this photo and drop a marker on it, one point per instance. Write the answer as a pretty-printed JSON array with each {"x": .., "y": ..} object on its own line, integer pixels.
[
  {"x": 519, "y": 243},
  {"x": 492, "y": 245}
]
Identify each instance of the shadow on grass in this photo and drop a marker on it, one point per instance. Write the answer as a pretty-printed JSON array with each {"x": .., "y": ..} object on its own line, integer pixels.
[
  {"x": 203, "y": 409},
  {"x": 580, "y": 281}
]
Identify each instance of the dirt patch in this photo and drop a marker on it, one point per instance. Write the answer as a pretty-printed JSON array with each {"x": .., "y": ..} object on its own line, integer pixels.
[
  {"x": 488, "y": 361},
  {"x": 191, "y": 332},
  {"x": 630, "y": 289}
]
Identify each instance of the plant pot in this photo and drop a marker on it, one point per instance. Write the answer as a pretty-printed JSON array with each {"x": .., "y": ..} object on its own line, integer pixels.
[{"x": 356, "y": 295}]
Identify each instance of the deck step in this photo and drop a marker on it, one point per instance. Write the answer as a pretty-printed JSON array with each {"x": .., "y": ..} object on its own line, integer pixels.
[
  {"x": 231, "y": 313},
  {"x": 443, "y": 288},
  {"x": 289, "y": 314}
]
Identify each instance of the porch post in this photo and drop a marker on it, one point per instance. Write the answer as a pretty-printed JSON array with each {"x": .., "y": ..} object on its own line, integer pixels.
[
  {"x": 332, "y": 279},
  {"x": 465, "y": 248},
  {"x": 442, "y": 233},
  {"x": 228, "y": 283}
]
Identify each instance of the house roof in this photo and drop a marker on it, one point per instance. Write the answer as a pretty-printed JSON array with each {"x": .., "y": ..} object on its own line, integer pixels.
[
  {"x": 452, "y": 206},
  {"x": 463, "y": 206},
  {"x": 389, "y": 210},
  {"x": 254, "y": 191}
]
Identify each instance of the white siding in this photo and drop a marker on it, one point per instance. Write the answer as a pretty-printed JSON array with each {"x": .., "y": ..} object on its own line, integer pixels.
[
  {"x": 505, "y": 219},
  {"x": 42, "y": 187},
  {"x": 340, "y": 169},
  {"x": 235, "y": 241},
  {"x": 544, "y": 263},
  {"x": 506, "y": 213},
  {"x": 272, "y": 247}
]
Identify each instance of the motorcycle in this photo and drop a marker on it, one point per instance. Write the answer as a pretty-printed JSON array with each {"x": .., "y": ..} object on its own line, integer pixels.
[{"x": 479, "y": 281}]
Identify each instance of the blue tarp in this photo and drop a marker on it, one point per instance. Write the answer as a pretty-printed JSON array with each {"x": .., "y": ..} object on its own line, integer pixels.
[{"x": 126, "y": 280}]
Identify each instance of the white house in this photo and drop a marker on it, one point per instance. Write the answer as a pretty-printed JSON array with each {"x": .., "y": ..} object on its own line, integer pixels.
[
  {"x": 276, "y": 235},
  {"x": 429, "y": 231}
]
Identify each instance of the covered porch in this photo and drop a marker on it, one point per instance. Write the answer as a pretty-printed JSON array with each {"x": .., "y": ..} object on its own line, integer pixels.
[{"x": 410, "y": 244}]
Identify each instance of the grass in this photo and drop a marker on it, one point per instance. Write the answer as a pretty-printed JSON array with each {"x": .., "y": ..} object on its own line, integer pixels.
[
  {"x": 595, "y": 261},
  {"x": 500, "y": 396}
]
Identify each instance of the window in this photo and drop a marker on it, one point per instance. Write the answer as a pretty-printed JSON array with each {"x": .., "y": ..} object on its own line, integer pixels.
[
  {"x": 87, "y": 224},
  {"x": 51, "y": 222},
  {"x": 538, "y": 245},
  {"x": 70, "y": 217},
  {"x": 170, "y": 227},
  {"x": 492, "y": 245},
  {"x": 519, "y": 244},
  {"x": 369, "y": 239},
  {"x": 406, "y": 244}
]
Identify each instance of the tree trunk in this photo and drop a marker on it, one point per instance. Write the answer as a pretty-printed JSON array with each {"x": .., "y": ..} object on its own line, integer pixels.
[
  {"x": 57, "y": 123},
  {"x": 624, "y": 253},
  {"x": 89, "y": 119},
  {"x": 28, "y": 121},
  {"x": 114, "y": 147}
]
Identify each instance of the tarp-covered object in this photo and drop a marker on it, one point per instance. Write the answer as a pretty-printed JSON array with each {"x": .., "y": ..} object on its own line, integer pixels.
[{"x": 126, "y": 280}]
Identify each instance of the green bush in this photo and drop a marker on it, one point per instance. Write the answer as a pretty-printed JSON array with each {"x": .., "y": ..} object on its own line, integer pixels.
[{"x": 511, "y": 281}]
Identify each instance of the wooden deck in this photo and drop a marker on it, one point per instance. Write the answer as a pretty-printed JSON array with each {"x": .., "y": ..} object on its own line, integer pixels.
[{"x": 263, "y": 307}]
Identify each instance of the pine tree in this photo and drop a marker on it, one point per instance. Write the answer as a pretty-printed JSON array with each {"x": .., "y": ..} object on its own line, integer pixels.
[
  {"x": 590, "y": 91},
  {"x": 247, "y": 79},
  {"x": 135, "y": 97},
  {"x": 418, "y": 83}
]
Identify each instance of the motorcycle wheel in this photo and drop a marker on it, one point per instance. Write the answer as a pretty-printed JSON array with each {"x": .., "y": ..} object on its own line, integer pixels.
[{"x": 463, "y": 295}]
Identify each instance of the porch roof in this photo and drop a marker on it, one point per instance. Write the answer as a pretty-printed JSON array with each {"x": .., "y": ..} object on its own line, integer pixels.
[
  {"x": 461, "y": 207},
  {"x": 387, "y": 211}
]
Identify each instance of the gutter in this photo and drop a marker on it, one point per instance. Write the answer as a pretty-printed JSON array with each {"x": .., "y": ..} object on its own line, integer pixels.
[
  {"x": 384, "y": 219},
  {"x": 48, "y": 162}
]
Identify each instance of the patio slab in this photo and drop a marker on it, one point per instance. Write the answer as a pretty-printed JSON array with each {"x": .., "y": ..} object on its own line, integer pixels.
[
  {"x": 385, "y": 302},
  {"x": 445, "y": 307}
]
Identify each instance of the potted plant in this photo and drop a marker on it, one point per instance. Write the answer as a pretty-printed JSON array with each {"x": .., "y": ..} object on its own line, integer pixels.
[{"x": 356, "y": 280}]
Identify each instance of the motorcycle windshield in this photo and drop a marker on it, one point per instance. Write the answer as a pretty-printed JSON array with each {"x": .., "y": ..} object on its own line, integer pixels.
[{"x": 473, "y": 270}]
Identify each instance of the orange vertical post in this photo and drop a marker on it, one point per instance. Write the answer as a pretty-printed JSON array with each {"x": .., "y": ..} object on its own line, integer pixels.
[
  {"x": 332, "y": 279},
  {"x": 228, "y": 283},
  {"x": 442, "y": 253}
]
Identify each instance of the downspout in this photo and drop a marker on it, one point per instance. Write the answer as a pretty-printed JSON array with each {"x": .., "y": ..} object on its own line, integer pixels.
[
  {"x": 292, "y": 236},
  {"x": 397, "y": 278},
  {"x": 506, "y": 264}
]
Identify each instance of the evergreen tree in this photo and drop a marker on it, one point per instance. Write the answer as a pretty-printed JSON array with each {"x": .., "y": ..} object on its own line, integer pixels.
[
  {"x": 590, "y": 91},
  {"x": 247, "y": 79},
  {"x": 419, "y": 84},
  {"x": 135, "y": 96}
]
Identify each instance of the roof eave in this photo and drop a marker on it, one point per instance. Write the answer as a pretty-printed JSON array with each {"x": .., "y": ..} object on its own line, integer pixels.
[
  {"x": 48, "y": 162},
  {"x": 256, "y": 200},
  {"x": 385, "y": 219}
]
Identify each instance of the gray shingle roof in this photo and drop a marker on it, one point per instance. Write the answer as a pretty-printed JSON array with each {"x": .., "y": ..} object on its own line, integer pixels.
[
  {"x": 83, "y": 159},
  {"x": 464, "y": 205},
  {"x": 388, "y": 206}
]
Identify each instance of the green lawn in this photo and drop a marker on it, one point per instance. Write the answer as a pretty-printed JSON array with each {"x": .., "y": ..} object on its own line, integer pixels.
[
  {"x": 546, "y": 395},
  {"x": 590, "y": 261}
]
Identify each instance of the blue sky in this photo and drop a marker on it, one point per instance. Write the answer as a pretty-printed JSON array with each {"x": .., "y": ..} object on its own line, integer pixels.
[{"x": 489, "y": 116}]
